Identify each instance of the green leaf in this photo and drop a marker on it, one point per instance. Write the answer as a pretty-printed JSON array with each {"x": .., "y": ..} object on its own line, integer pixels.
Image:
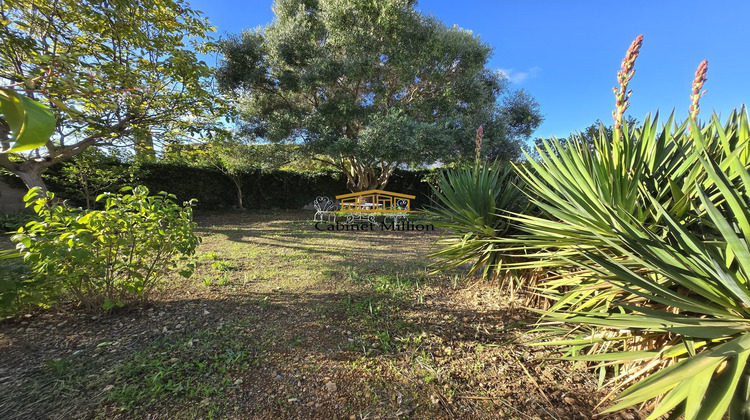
[
  {"x": 31, "y": 123},
  {"x": 672, "y": 376}
]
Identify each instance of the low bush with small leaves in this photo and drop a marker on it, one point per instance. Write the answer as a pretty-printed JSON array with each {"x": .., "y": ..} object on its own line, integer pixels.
[{"x": 109, "y": 257}]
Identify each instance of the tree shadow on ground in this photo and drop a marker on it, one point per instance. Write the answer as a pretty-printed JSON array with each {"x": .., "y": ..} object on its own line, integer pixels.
[{"x": 311, "y": 354}]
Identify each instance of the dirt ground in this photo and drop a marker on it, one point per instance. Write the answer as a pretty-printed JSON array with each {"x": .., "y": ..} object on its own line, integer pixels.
[{"x": 283, "y": 321}]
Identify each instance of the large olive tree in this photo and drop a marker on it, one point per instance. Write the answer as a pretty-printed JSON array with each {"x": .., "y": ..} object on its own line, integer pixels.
[
  {"x": 372, "y": 85},
  {"x": 122, "y": 73}
]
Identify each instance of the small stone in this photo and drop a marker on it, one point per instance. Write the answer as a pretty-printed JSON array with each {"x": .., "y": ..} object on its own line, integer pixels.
[
  {"x": 205, "y": 312},
  {"x": 568, "y": 400},
  {"x": 238, "y": 381},
  {"x": 331, "y": 386},
  {"x": 291, "y": 400}
]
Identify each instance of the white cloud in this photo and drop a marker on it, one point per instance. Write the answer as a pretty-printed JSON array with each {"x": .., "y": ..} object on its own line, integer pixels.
[{"x": 519, "y": 77}]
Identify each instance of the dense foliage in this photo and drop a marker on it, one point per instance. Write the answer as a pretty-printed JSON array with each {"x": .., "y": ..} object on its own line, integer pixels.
[
  {"x": 643, "y": 234},
  {"x": 10, "y": 222},
  {"x": 648, "y": 236},
  {"x": 110, "y": 257},
  {"x": 90, "y": 174},
  {"x": 233, "y": 158},
  {"x": 122, "y": 72},
  {"x": 646, "y": 232},
  {"x": 213, "y": 190},
  {"x": 472, "y": 205},
  {"x": 372, "y": 85}
]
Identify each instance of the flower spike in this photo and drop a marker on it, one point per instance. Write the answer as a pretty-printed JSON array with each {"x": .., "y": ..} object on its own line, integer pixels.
[
  {"x": 623, "y": 77},
  {"x": 700, "y": 79}
]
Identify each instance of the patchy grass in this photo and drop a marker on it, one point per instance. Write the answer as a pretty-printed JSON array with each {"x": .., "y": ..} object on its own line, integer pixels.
[
  {"x": 281, "y": 320},
  {"x": 191, "y": 369}
]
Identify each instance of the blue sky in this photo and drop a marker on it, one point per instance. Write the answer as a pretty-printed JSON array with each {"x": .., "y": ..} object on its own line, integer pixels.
[{"x": 566, "y": 53}]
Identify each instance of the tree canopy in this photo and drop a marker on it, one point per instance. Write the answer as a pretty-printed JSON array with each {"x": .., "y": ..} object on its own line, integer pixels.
[
  {"x": 372, "y": 85},
  {"x": 112, "y": 73}
]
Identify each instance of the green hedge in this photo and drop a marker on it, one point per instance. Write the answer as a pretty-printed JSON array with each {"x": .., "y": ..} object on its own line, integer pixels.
[
  {"x": 413, "y": 183},
  {"x": 209, "y": 186},
  {"x": 261, "y": 190}
]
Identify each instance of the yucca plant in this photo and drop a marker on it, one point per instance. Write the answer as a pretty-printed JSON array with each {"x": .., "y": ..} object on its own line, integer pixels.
[
  {"x": 645, "y": 238},
  {"x": 694, "y": 294},
  {"x": 578, "y": 188},
  {"x": 470, "y": 203}
]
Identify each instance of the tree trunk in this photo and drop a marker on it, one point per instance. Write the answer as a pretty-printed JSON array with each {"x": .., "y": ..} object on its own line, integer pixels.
[
  {"x": 238, "y": 184},
  {"x": 30, "y": 173},
  {"x": 30, "y": 170},
  {"x": 144, "y": 148},
  {"x": 362, "y": 178}
]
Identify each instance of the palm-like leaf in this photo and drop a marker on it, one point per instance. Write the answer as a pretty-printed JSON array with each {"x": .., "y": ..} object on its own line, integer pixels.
[
  {"x": 673, "y": 266},
  {"x": 586, "y": 193},
  {"x": 470, "y": 203}
]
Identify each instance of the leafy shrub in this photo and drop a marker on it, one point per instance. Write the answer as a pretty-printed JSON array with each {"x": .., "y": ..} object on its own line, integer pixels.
[
  {"x": 109, "y": 257},
  {"x": 90, "y": 174},
  {"x": 17, "y": 288}
]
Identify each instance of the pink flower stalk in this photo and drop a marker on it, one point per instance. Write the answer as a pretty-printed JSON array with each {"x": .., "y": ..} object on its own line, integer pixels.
[
  {"x": 700, "y": 79},
  {"x": 623, "y": 77}
]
